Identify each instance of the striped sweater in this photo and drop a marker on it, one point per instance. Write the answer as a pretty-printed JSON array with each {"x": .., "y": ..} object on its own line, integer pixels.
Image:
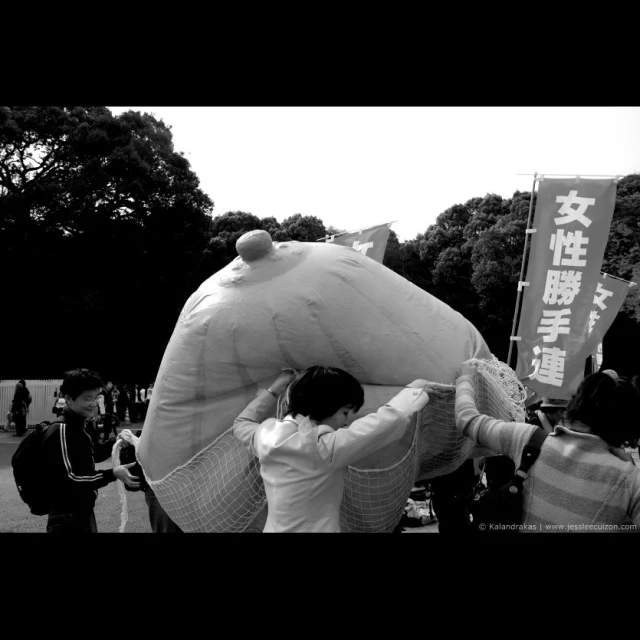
[{"x": 578, "y": 483}]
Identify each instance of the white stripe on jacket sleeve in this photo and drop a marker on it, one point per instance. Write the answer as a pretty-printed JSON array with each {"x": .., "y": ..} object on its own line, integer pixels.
[{"x": 67, "y": 461}]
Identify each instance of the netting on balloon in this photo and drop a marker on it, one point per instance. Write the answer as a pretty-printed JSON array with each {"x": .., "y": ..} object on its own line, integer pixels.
[
  {"x": 221, "y": 490},
  {"x": 374, "y": 499}
]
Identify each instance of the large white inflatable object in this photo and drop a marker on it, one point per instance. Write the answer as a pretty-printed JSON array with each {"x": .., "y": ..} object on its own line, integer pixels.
[{"x": 278, "y": 305}]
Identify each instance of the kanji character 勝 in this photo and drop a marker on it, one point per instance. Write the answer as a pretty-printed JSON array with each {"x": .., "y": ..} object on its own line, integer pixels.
[
  {"x": 562, "y": 286},
  {"x": 601, "y": 295},
  {"x": 572, "y": 243},
  {"x": 549, "y": 365},
  {"x": 554, "y": 322},
  {"x": 570, "y": 214}
]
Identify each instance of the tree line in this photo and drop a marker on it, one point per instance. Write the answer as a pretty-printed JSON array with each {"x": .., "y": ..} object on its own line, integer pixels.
[{"x": 105, "y": 232}]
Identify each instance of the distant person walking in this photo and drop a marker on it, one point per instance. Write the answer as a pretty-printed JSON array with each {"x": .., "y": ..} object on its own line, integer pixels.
[
  {"x": 108, "y": 420},
  {"x": 122, "y": 403},
  {"x": 133, "y": 405},
  {"x": 59, "y": 405},
  {"x": 146, "y": 400},
  {"x": 139, "y": 401},
  {"x": 115, "y": 395},
  {"x": 20, "y": 408}
]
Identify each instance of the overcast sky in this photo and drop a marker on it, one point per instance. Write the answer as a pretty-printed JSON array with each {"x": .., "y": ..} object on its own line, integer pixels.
[{"x": 354, "y": 167}]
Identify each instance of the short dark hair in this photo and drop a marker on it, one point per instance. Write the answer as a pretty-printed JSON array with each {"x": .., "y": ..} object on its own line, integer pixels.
[
  {"x": 318, "y": 392},
  {"x": 610, "y": 407},
  {"x": 78, "y": 380}
]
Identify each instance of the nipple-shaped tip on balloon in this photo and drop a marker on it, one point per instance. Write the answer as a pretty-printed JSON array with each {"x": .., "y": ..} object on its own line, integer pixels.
[{"x": 254, "y": 245}]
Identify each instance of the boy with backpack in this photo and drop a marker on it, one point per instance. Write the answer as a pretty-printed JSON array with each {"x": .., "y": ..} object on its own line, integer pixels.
[{"x": 68, "y": 456}]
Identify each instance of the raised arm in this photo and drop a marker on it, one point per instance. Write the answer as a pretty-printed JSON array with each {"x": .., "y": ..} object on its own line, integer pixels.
[
  {"x": 247, "y": 423},
  {"x": 258, "y": 410},
  {"x": 507, "y": 438},
  {"x": 372, "y": 432}
]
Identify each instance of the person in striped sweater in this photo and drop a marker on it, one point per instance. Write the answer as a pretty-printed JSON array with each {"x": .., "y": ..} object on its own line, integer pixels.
[{"x": 584, "y": 479}]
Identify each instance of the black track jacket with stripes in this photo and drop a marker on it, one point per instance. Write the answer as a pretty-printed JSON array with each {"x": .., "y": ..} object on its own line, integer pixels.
[{"x": 70, "y": 455}]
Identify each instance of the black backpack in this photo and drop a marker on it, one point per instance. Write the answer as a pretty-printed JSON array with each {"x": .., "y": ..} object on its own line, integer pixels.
[
  {"x": 500, "y": 510},
  {"x": 29, "y": 470}
]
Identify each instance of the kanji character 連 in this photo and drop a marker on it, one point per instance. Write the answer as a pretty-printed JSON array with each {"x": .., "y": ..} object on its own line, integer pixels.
[{"x": 548, "y": 365}]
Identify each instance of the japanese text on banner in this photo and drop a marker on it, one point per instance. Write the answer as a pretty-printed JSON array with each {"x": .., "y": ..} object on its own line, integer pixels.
[
  {"x": 370, "y": 242},
  {"x": 572, "y": 221},
  {"x": 607, "y": 302}
]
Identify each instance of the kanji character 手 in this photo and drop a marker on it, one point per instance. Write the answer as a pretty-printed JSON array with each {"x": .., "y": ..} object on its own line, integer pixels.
[{"x": 554, "y": 322}]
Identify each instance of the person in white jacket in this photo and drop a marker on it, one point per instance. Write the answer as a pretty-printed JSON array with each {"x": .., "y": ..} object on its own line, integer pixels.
[{"x": 304, "y": 455}]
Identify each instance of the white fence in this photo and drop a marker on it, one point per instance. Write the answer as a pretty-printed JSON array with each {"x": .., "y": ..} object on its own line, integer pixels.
[{"x": 42, "y": 399}]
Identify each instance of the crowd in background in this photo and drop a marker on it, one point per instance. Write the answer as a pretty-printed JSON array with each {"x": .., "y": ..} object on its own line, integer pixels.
[
  {"x": 86, "y": 404},
  {"x": 586, "y": 475},
  {"x": 115, "y": 402}
]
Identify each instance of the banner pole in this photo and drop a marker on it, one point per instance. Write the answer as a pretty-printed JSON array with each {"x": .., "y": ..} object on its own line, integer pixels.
[
  {"x": 629, "y": 282},
  {"x": 344, "y": 233},
  {"x": 524, "y": 256}
]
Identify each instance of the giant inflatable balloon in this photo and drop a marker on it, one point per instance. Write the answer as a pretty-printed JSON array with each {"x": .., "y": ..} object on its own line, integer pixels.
[{"x": 287, "y": 304}]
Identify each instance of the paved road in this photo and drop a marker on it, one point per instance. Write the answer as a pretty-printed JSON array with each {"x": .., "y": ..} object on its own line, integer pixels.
[{"x": 8, "y": 443}]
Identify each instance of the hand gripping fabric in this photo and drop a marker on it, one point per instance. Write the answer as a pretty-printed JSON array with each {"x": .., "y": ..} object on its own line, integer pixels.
[
  {"x": 220, "y": 489},
  {"x": 297, "y": 304}
]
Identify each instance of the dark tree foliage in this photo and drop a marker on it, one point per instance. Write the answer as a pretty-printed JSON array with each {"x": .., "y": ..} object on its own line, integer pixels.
[
  {"x": 301, "y": 228},
  {"x": 447, "y": 256},
  {"x": 497, "y": 261},
  {"x": 622, "y": 254},
  {"x": 224, "y": 233},
  {"x": 471, "y": 258},
  {"x": 105, "y": 232},
  {"x": 102, "y": 230},
  {"x": 332, "y": 231},
  {"x": 393, "y": 253},
  {"x": 622, "y": 258}
]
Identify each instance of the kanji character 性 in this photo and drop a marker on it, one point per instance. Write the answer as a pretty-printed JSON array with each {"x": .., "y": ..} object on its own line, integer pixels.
[
  {"x": 554, "y": 322},
  {"x": 562, "y": 286},
  {"x": 593, "y": 317},
  {"x": 570, "y": 214},
  {"x": 601, "y": 295},
  {"x": 550, "y": 365},
  {"x": 572, "y": 243}
]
